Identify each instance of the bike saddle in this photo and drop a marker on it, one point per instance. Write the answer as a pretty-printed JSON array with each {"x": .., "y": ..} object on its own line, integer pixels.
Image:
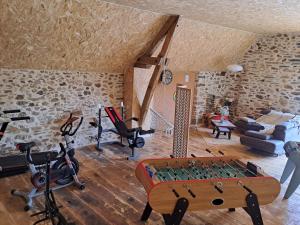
[
  {"x": 40, "y": 158},
  {"x": 23, "y": 147}
]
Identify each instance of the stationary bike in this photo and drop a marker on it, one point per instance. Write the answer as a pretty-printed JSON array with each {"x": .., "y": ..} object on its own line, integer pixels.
[
  {"x": 51, "y": 211},
  {"x": 68, "y": 165}
]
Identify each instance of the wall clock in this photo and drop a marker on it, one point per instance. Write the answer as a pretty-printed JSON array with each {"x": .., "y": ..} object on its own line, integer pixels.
[{"x": 166, "y": 77}]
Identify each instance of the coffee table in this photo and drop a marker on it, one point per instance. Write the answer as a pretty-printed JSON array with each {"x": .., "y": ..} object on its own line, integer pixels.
[{"x": 225, "y": 127}]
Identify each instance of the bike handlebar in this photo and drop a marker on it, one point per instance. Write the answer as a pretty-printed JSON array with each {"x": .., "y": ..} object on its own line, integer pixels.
[
  {"x": 66, "y": 128},
  {"x": 9, "y": 119},
  {"x": 11, "y": 111},
  {"x": 20, "y": 118},
  {"x": 6, "y": 120}
]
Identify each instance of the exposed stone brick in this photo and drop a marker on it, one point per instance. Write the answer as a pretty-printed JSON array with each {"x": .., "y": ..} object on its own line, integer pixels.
[
  {"x": 270, "y": 79},
  {"x": 276, "y": 74},
  {"x": 19, "y": 97},
  {"x": 210, "y": 84},
  {"x": 47, "y": 96}
]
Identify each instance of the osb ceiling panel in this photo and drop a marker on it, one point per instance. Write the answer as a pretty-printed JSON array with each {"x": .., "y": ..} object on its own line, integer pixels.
[
  {"x": 98, "y": 36},
  {"x": 259, "y": 16},
  {"x": 73, "y": 35},
  {"x": 201, "y": 46}
]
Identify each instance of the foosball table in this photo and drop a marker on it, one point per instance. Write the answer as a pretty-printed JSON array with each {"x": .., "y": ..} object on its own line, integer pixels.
[{"x": 175, "y": 185}]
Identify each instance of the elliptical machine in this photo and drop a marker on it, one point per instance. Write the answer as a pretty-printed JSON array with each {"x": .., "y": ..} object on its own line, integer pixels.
[{"x": 67, "y": 165}]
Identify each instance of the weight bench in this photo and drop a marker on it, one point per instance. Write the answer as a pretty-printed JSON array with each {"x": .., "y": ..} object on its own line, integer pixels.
[{"x": 133, "y": 135}]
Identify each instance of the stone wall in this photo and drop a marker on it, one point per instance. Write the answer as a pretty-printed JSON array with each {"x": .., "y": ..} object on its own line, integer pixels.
[
  {"x": 219, "y": 84},
  {"x": 271, "y": 79},
  {"x": 272, "y": 75},
  {"x": 48, "y": 97}
]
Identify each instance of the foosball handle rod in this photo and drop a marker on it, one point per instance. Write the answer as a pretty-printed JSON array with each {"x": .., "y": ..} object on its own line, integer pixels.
[
  {"x": 175, "y": 193},
  {"x": 220, "y": 152},
  {"x": 209, "y": 151},
  {"x": 191, "y": 193}
]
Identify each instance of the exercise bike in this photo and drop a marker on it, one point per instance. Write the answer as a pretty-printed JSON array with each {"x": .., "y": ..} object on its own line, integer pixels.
[
  {"x": 68, "y": 165},
  {"x": 51, "y": 211},
  {"x": 16, "y": 164}
]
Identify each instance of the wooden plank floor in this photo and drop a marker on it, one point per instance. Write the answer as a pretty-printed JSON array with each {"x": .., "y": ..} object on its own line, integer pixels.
[{"x": 113, "y": 195}]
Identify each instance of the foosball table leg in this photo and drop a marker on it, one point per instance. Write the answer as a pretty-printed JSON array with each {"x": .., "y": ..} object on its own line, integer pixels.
[
  {"x": 147, "y": 212},
  {"x": 253, "y": 209},
  {"x": 178, "y": 212}
]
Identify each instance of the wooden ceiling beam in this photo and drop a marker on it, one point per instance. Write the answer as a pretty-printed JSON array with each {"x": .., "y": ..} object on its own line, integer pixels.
[
  {"x": 168, "y": 39},
  {"x": 154, "y": 80},
  {"x": 160, "y": 35},
  {"x": 141, "y": 65},
  {"x": 149, "y": 60}
]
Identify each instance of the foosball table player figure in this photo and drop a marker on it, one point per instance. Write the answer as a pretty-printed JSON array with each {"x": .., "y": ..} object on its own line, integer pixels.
[{"x": 175, "y": 185}]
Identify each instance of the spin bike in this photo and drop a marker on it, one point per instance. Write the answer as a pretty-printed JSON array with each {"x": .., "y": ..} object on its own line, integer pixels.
[
  {"x": 51, "y": 211},
  {"x": 68, "y": 165}
]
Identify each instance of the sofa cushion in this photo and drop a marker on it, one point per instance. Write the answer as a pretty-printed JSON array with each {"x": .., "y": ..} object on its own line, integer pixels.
[
  {"x": 284, "y": 126},
  {"x": 287, "y": 131},
  {"x": 271, "y": 146},
  {"x": 285, "y": 117},
  {"x": 271, "y": 118},
  {"x": 265, "y": 111},
  {"x": 248, "y": 120},
  {"x": 288, "y": 116},
  {"x": 258, "y": 135},
  {"x": 243, "y": 126}
]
